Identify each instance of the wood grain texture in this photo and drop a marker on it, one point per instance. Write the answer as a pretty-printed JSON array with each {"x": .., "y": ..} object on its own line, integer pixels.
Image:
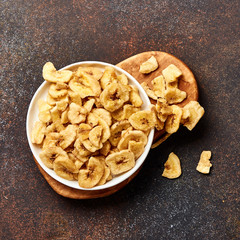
[{"x": 187, "y": 81}]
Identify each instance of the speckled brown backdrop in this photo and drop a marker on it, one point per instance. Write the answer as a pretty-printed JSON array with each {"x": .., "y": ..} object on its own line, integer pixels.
[{"x": 205, "y": 35}]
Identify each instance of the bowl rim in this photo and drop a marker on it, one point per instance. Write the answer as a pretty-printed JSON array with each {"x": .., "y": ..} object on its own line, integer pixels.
[{"x": 121, "y": 177}]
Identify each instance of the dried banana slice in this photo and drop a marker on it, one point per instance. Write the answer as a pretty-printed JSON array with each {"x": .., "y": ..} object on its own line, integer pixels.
[
  {"x": 171, "y": 73},
  {"x": 89, "y": 81},
  {"x": 44, "y": 111},
  {"x": 51, "y": 140},
  {"x": 135, "y": 135},
  {"x": 105, "y": 130},
  {"x": 75, "y": 97},
  {"x": 78, "y": 162},
  {"x": 204, "y": 164},
  {"x": 114, "y": 96},
  {"x": 91, "y": 71},
  {"x": 64, "y": 117},
  {"x": 122, "y": 79},
  {"x": 55, "y": 127},
  {"x": 50, "y": 74},
  {"x": 92, "y": 119},
  {"x": 90, "y": 177},
  {"x": 120, "y": 162},
  {"x": 76, "y": 113},
  {"x": 38, "y": 132},
  {"x": 91, "y": 147},
  {"x": 103, "y": 114},
  {"x": 172, "y": 167},
  {"x": 108, "y": 76},
  {"x": 88, "y": 105},
  {"x": 106, "y": 148},
  {"x": 136, "y": 147},
  {"x": 105, "y": 176},
  {"x": 62, "y": 104},
  {"x": 55, "y": 92},
  {"x": 116, "y": 130},
  {"x": 159, "y": 86},
  {"x": 83, "y": 131},
  {"x": 163, "y": 110},
  {"x": 173, "y": 121},
  {"x": 134, "y": 97},
  {"x": 67, "y": 136},
  {"x": 43, "y": 105},
  {"x": 80, "y": 150},
  {"x": 192, "y": 113},
  {"x": 159, "y": 125},
  {"x": 64, "y": 168},
  {"x": 149, "y": 66},
  {"x": 95, "y": 136},
  {"x": 149, "y": 91},
  {"x": 48, "y": 155},
  {"x": 174, "y": 95},
  {"x": 143, "y": 120},
  {"x": 55, "y": 114}
]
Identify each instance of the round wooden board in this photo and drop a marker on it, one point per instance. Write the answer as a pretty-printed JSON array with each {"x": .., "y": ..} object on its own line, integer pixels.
[{"x": 187, "y": 83}]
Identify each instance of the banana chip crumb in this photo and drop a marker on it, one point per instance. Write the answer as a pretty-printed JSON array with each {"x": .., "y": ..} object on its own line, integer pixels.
[
  {"x": 172, "y": 167},
  {"x": 204, "y": 164}
]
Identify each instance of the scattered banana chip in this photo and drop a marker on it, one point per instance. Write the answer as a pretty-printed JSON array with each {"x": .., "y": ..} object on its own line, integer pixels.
[
  {"x": 149, "y": 66},
  {"x": 192, "y": 113},
  {"x": 174, "y": 95},
  {"x": 172, "y": 167},
  {"x": 171, "y": 73},
  {"x": 149, "y": 91},
  {"x": 204, "y": 164},
  {"x": 173, "y": 121}
]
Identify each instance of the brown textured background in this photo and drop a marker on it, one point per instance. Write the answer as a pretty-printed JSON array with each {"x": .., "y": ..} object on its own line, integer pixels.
[{"x": 205, "y": 35}]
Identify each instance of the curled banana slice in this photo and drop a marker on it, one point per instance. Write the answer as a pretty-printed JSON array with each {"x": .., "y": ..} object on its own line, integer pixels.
[
  {"x": 91, "y": 72},
  {"x": 174, "y": 95},
  {"x": 135, "y": 135},
  {"x": 134, "y": 97},
  {"x": 38, "y": 132},
  {"x": 106, "y": 148},
  {"x": 172, "y": 167},
  {"x": 75, "y": 97},
  {"x": 116, "y": 131},
  {"x": 95, "y": 136},
  {"x": 76, "y": 113},
  {"x": 120, "y": 162},
  {"x": 105, "y": 176},
  {"x": 90, "y": 177},
  {"x": 48, "y": 155},
  {"x": 51, "y": 140},
  {"x": 55, "y": 92},
  {"x": 114, "y": 96},
  {"x": 80, "y": 150},
  {"x": 83, "y": 131},
  {"x": 136, "y": 147},
  {"x": 67, "y": 136},
  {"x": 143, "y": 120},
  {"x": 103, "y": 114},
  {"x": 173, "y": 121},
  {"x": 159, "y": 86},
  {"x": 88, "y": 105},
  {"x": 50, "y": 74},
  {"x": 108, "y": 76},
  {"x": 64, "y": 168}
]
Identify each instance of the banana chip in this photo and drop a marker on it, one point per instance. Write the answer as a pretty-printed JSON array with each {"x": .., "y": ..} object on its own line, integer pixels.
[
  {"x": 67, "y": 136},
  {"x": 149, "y": 91},
  {"x": 192, "y": 113},
  {"x": 159, "y": 86},
  {"x": 171, "y": 73},
  {"x": 88, "y": 105},
  {"x": 38, "y": 132},
  {"x": 204, "y": 164},
  {"x": 48, "y": 155},
  {"x": 172, "y": 167},
  {"x": 106, "y": 148},
  {"x": 116, "y": 130},
  {"x": 174, "y": 95},
  {"x": 76, "y": 113},
  {"x": 90, "y": 177},
  {"x": 79, "y": 150},
  {"x": 95, "y": 136},
  {"x": 122, "y": 79},
  {"x": 91, "y": 71},
  {"x": 64, "y": 168},
  {"x": 120, "y": 162},
  {"x": 108, "y": 76},
  {"x": 105, "y": 176},
  {"x": 114, "y": 96},
  {"x": 134, "y": 97},
  {"x": 143, "y": 120},
  {"x": 173, "y": 121},
  {"x": 75, "y": 97},
  {"x": 135, "y": 135},
  {"x": 149, "y": 66},
  {"x": 55, "y": 92},
  {"x": 50, "y": 74},
  {"x": 136, "y": 147},
  {"x": 51, "y": 140},
  {"x": 103, "y": 114}
]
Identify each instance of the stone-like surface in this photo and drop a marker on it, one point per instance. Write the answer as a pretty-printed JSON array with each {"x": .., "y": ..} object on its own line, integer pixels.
[{"x": 205, "y": 35}]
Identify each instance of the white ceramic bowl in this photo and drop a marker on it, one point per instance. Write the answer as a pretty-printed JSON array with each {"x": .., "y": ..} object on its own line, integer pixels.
[{"x": 32, "y": 117}]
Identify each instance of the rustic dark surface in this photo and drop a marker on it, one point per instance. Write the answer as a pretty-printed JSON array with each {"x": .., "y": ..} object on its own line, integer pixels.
[{"x": 205, "y": 35}]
